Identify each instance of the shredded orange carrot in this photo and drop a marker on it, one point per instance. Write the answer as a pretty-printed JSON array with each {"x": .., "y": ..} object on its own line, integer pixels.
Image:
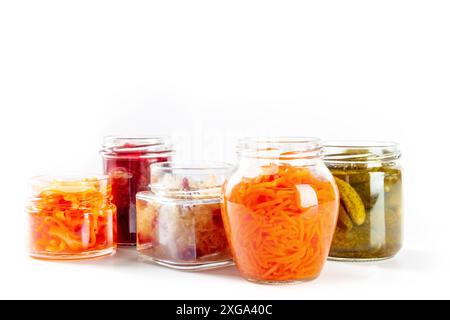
[
  {"x": 71, "y": 218},
  {"x": 280, "y": 224}
]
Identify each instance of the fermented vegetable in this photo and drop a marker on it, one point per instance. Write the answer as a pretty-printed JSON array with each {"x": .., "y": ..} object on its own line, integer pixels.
[
  {"x": 179, "y": 221},
  {"x": 281, "y": 222},
  {"x": 72, "y": 219},
  {"x": 369, "y": 179}
]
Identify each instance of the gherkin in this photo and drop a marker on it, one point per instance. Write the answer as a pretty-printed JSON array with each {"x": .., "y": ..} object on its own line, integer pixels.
[{"x": 352, "y": 202}]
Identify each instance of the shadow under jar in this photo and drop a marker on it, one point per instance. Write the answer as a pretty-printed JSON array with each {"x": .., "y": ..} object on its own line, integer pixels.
[
  {"x": 369, "y": 179},
  {"x": 280, "y": 210},
  {"x": 71, "y": 218},
  {"x": 127, "y": 161},
  {"x": 179, "y": 221}
]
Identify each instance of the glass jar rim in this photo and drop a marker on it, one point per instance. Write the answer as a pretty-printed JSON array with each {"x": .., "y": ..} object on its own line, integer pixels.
[
  {"x": 67, "y": 183},
  {"x": 218, "y": 170},
  {"x": 117, "y": 145},
  {"x": 360, "y": 151},
  {"x": 171, "y": 166},
  {"x": 284, "y": 148},
  {"x": 71, "y": 177}
]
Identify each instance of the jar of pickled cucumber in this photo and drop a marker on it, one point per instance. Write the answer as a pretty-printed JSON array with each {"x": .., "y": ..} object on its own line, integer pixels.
[{"x": 369, "y": 179}]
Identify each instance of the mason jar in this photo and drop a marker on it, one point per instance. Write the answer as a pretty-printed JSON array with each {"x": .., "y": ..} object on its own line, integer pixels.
[
  {"x": 280, "y": 209},
  {"x": 127, "y": 161},
  {"x": 71, "y": 217},
  {"x": 179, "y": 221},
  {"x": 369, "y": 178}
]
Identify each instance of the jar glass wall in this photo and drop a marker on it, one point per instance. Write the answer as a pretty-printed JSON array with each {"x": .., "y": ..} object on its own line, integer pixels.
[
  {"x": 71, "y": 218},
  {"x": 370, "y": 184},
  {"x": 280, "y": 210},
  {"x": 179, "y": 221},
  {"x": 127, "y": 161}
]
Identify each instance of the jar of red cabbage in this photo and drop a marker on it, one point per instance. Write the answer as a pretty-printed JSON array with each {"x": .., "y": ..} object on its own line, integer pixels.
[{"x": 127, "y": 161}]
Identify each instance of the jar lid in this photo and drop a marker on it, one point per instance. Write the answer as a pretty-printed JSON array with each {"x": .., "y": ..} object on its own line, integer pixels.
[
  {"x": 188, "y": 181},
  {"x": 355, "y": 151}
]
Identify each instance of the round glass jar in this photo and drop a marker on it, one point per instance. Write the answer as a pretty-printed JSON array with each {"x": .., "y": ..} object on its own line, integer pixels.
[
  {"x": 127, "y": 161},
  {"x": 179, "y": 221},
  {"x": 369, "y": 179},
  {"x": 280, "y": 210},
  {"x": 71, "y": 218}
]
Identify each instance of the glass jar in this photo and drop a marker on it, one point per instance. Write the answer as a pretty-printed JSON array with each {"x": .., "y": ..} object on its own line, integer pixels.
[
  {"x": 280, "y": 210},
  {"x": 370, "y": 183},
  {"x": 71, "y": 218},
  {"x": 127, "y": 161},
  {"x": 179, "y": 221}
]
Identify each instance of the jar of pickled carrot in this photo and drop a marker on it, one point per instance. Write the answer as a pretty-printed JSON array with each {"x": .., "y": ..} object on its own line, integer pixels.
[
  {"x": 127, "y": 161},
  {"x": 280, "y": 210},
  {"x": 71, "y": 218}
]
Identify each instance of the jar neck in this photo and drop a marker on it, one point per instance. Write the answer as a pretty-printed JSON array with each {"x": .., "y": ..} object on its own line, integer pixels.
[
  {"x": 132, "y": 146},
  {"x": 294, "y": 151},
  {"x": 69, "y": 192},
  {"x": 361, "y": 153},
  {"x": 188, "y": 181}
]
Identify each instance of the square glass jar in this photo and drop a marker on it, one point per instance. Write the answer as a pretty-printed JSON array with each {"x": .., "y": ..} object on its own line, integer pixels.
[{"x": 179, "y": 221}]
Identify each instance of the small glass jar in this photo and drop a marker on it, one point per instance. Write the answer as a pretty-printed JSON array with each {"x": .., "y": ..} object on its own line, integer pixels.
[
  {"x": 71, "y": 218},
  {"x": 179, "y": 221},
  {"x": 369, "y": 178},
  {"x": 280, "y": 210},
  {"x": 127, "y": 161}
]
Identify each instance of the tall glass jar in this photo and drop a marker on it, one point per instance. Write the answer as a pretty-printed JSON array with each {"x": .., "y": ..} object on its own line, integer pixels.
[
  {"x": 127, "y": 161},
  {"x": 179, "y": 221},
  {"x": 280, "y": 210},
  {"x": 71, "y": 217},
  {"x": 369, "y": 179}
]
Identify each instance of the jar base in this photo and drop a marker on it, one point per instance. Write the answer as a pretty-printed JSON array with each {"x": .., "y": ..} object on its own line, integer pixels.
[
  {"x": 343, "y": 259},
  {"x": 281, "y": 283},
  {"x": 200, "y": 266},
  {"x": 73, "y": 257},
  {"x": 126, "y": 245}
]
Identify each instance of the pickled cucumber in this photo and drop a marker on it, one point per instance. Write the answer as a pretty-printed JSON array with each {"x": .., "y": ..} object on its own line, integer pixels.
[
  {"x": 370, "y": 217},
  {"x": 344, "y": 220},
  {"x": 352, "y": 202}
]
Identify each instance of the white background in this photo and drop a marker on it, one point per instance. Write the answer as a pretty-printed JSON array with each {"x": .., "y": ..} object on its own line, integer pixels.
[{"x": 208, "y": 72}]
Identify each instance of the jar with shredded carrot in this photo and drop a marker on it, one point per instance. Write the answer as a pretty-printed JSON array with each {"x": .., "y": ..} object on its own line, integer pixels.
[
  {"x": 71, "y": 218},
  {"x": 280, "y": 210}
]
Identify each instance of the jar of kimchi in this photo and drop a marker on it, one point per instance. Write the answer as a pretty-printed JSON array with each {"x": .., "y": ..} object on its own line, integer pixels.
[
  {"x": 71, "y": 217},
  {"x": 280, "y": 210},
  {"x": 179, "y": 220},
  {"x": 127, "y": 161}
]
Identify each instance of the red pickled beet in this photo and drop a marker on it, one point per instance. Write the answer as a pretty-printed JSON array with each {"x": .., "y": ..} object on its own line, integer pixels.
[{"x": 130, "y": 174}]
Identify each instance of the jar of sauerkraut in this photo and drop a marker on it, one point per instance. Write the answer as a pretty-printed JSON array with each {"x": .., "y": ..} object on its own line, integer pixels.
[{"x": 179, "y": 221}]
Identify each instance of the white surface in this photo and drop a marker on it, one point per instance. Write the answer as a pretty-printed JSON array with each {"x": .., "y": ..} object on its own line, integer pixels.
[{"x": 208, "y": 72}]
